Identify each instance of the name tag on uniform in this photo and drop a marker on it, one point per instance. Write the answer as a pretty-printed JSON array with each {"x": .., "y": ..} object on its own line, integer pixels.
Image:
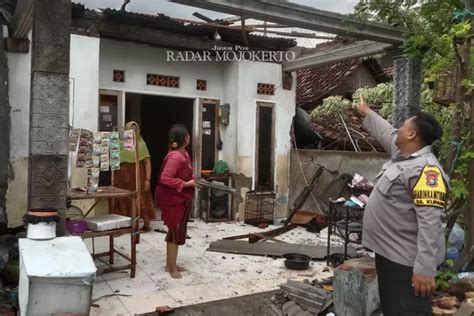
[{"x": 430, "y": 189}]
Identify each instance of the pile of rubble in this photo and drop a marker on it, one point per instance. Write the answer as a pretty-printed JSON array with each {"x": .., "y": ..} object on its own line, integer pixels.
[
  {"x": 306, "y": 298},
  {"x": 458, "y": 300}
]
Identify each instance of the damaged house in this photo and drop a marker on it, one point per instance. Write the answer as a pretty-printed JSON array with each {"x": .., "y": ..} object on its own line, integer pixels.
[
  {"x": 341, "y": 78},
  {"x": 124, "y": 66}
]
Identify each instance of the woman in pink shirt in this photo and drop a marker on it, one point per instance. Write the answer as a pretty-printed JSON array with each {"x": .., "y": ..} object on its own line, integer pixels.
[{"x": 174, "y": 194}]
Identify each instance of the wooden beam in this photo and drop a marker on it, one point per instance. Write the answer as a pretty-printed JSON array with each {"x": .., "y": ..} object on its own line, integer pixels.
[
  {"x": 17, "y": 45},
  {"x": 141, "y": 34},
  {"x": 22, "y": 20},
  {"x": 302, "y": 16},
  {"x": 268, "y": 26},
  {"x": 203, "y": 17},
  {"x": 294, "y": 34},
  {"x": 355, "y": 50},
  {"x": 269, "y": 233},
  {"x": 253, "y": 238}
]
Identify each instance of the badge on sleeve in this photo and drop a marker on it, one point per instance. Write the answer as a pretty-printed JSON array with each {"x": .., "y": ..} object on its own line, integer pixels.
[{"x": 430, "y": 189}]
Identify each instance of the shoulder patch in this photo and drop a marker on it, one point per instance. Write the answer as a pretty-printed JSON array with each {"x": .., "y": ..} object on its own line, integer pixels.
[{"x": 430, "y": 189}]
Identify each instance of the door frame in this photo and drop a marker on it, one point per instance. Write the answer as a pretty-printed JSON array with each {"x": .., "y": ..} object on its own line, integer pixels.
[
  {"x": 120, "y": 106},
  {"x": 258, "y": 105},
  {"x": 216, "y": 103}
]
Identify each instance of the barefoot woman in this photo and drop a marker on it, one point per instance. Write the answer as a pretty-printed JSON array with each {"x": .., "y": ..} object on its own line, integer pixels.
[{"x": 174, "y": 194}]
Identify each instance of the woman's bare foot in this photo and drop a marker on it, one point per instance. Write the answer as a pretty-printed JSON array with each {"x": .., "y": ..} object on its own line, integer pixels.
[
  {"x": 180, "y": 269},
  {"x": 175, "y": 274}
]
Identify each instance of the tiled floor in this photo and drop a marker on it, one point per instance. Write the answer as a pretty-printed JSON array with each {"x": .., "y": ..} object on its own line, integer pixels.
[{"x": 210, "y": 276}]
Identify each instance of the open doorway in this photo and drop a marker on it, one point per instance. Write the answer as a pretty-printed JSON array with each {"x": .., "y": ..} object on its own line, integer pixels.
[
  {"x": 264, "y": 158},
  {"x": 155, "y": 116}
]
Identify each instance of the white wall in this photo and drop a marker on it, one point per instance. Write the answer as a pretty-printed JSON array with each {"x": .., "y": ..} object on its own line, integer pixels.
[
  {"x": 137, "y": 60},
  {"x": 84, "y": 93},
  {"x": 250, "y": 74},
  {"x": 19, "y": 81},
  {"x": 84, "y": 77},
  {"x": 229, "y": 133},
  {"x": 84, "y": 98}
]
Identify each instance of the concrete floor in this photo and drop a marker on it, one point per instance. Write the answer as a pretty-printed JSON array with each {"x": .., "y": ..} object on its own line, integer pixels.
[{"x": 210, "y": 276}]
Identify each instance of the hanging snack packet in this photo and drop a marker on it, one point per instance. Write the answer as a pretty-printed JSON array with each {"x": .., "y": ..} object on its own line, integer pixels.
[
  {"x": 114, "y": 136},
  {"x": 114, "y": 164},
  {"x": 97, "y": 138},
  {"x": 96, "y": 161},
  {"x": 129, "y": 140},
  {"x": 93, "y": 179},
  {"x": 104, "y": 152},
  {"x": 74, "y": 139},
  {"x": 85, "y": 149},
  {"x": 114, "y": 151}
]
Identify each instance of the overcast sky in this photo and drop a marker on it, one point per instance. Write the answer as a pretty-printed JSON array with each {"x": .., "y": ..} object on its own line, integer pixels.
[{"x": 185, "y": 12}]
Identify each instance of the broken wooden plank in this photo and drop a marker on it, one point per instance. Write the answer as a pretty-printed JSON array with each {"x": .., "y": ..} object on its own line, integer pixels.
[
  {"x": 269, "y": 233},
  {"x": 253, "y": 238},
  {"x": 302, "y": 217},
  {"x": 236, "y": 237},
  {"x": 263, "y": 238},
  {"x": 274, "y": 249}
]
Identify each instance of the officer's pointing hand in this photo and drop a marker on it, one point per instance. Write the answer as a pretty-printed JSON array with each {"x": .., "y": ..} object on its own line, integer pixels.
[{"x": 362, "y": 107}]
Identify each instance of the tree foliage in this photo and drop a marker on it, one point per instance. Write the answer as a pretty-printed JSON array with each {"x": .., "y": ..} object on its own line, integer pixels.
[{"x": 431, "y": 28}]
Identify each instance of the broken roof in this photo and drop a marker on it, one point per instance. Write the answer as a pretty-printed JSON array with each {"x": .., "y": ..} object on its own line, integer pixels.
[
  {"x": 316, "y": 83},
  {"x": 84, "y": 19}
]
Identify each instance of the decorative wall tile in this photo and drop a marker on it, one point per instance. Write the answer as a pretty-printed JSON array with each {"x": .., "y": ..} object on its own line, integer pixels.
[
  {"x": 162, "y": 81},
  {"x": 119, "y": 75},
  {"x": 201, "y": 84},
  {"x": 266, "y": 88}
]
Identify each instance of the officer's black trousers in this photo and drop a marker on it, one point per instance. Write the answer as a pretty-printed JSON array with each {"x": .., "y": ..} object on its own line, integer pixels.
[{"x": 396, "y": 293}]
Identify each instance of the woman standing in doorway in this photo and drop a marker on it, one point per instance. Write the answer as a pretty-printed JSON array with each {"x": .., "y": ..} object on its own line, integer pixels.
[
  {"x": 124, "y": 178},
  {"x": 174, "y": 194}
]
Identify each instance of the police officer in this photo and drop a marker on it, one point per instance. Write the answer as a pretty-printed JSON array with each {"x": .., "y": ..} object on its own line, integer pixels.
[{"x": 402, "y": 219}]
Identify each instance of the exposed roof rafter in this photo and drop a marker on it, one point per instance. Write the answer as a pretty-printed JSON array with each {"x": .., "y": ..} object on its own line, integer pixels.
[
  {"x": 302, "y": 16},
  {"x": 355, "y": 50}
]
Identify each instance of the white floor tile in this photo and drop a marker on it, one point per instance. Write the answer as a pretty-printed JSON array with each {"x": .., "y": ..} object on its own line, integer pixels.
[{"x": 209, "y": 277}]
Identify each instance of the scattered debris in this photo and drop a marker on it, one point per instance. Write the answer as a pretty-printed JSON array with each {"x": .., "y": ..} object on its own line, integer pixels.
[
  {"x": 309, "y": 297},
  {"x": 302, "y": 217},
  {"x": 164, "y": 310},
  {"x": 105, "y": 296}
]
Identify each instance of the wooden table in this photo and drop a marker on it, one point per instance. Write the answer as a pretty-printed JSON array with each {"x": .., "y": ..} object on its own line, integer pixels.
[{"x": 110, "y": 193}]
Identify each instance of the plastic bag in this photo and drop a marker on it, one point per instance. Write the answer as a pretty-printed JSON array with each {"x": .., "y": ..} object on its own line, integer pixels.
[
  {"x": 221, "y": 167},
  {"x": 456, "y": 237}
]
